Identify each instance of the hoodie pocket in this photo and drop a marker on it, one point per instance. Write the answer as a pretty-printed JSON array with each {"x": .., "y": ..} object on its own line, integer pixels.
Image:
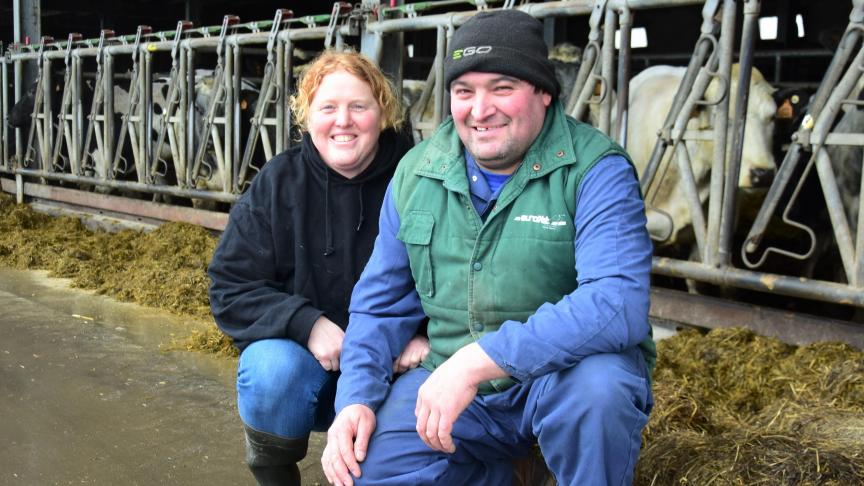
[{"x": 415, "y": 230}]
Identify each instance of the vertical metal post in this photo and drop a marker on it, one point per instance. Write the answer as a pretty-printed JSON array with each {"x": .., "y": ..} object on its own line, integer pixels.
[
  {"x": 279, "y": 79},
  {"x": 288, "y": 76},
  {"x": 228, "y": 112},
  {"x": 711, "y": 254},
  {"x": 18, "y": 75},
  {"x": 371, "y": 46},
  {"x": 19, "y": 188},
  {"x": 858, "y": 263},
  {"x": 28, "y": 24},
  {"x": 108, "y": 114},
  {"x": 181, "y": 131},
  {"x": 441, "y": 46},
  {"x": 625, "y": 21},
  {"x": 388, "y": 50},
  {"x": 47, "y": 115},
  {"x": 733, "y": 166},
  {"x": 191, "y": 120},
  {"x": 16, "y": 22},
  {"x": 233, "y": 164},
  {"x": 607, "y": 70},
  {"x": 145, "y": 108},
  {"x": 78, "y": 116},
  {"x": 4, "y": 103}
]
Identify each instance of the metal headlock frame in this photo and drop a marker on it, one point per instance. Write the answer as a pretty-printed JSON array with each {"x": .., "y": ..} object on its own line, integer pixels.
[
  {"x": 712, "y": 58},
  {"x": 69, "y": 122},
  {"x": 132, "y": 115},
  {"x": 269, "y": 95},
  {"x": 101, "y": 117},
  {"x": 40, "y": 124},
  {"x": 844, "y": 76}
]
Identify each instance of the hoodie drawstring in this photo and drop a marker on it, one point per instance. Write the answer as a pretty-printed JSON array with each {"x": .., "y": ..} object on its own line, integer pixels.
[
  {"x": 328, "y": 232},
  {"x": 360, "y": 196}
]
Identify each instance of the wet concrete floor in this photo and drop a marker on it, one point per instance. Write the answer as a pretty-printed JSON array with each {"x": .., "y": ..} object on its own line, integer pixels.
[{"x": 89, "y": 395}]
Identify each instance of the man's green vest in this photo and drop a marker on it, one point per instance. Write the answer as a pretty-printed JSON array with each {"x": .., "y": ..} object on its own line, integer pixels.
[{"x": 473, "y": 275}]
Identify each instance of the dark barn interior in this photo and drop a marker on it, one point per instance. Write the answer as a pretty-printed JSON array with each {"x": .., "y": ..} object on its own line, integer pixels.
[{"x": 670, "y": 32}]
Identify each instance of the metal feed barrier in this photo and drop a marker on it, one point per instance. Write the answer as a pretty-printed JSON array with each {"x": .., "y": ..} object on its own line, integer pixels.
[{"x": 81, "y": 144}]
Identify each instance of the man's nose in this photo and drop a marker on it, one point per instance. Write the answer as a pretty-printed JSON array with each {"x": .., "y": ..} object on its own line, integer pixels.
[{"x": 482, "y": 107}]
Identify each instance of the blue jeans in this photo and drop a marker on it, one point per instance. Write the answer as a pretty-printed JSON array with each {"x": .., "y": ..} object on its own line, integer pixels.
[
  {"x": 587, "y": 419},
  {"x": 283, "y": 390}
]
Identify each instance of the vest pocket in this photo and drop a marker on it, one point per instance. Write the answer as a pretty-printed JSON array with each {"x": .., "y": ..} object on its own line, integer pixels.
[{"x": 415, "y": 230}]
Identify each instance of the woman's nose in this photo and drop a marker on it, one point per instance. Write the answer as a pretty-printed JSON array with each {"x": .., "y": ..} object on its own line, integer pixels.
[{"x": 343, "y": 117}]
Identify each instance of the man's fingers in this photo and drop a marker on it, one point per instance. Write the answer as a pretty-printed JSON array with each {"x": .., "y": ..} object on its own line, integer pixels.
[
  {"x": 422, "y": 414},
  {"x": 345, "y": 444},
  {"x": 445, "y": 427},
  {"x": 328, "y": 465},
  {"x": 334, "y": 364},
  {"x": 431, "y": 431},
  {"x": 398, "y": 365},
  {"x": 361, "y": 442}
]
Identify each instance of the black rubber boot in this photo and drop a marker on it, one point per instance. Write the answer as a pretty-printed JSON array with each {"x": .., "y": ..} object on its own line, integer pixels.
[{"x": 273, "y": 459}]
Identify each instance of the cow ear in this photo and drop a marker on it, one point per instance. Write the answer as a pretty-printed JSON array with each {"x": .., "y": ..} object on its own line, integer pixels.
[{"x": 712, "y": 92}]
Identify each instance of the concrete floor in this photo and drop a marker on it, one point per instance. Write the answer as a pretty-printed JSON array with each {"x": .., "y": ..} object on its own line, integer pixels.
[{"x": 88, "y": 395}]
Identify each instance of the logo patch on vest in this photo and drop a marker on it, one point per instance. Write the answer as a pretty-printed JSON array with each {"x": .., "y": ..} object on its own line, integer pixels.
[{"x": 549, "y": 223}]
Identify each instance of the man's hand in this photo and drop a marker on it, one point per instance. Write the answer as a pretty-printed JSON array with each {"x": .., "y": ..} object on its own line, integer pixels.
[
  {"x": 414, "y": 353},
  {"x": 448, "y": 391},
  {"x": 325, "y": 343},
  {"x": 347, "y": 442}
]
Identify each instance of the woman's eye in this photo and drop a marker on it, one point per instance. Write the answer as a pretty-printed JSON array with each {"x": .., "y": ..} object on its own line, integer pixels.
[{"x": 358, "y": 107}]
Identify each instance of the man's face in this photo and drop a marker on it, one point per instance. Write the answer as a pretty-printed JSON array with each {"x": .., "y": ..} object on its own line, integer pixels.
[{"x": 497, "y": 117}]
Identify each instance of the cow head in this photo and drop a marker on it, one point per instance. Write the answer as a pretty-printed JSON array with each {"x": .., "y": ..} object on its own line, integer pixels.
[{"x": 758, "y": 165}]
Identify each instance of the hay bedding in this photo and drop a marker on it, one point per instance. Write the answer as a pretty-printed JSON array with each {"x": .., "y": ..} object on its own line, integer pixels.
[{"x": 732, "y": 407}]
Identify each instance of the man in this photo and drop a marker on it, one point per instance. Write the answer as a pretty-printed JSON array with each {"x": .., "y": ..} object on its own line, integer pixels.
[{"x": 520, "y": 233}]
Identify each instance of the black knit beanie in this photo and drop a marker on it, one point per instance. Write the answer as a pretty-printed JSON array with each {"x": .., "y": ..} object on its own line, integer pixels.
[{"x": 501, "y": 41}]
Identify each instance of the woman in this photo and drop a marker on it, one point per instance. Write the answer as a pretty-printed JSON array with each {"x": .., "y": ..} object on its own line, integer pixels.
[{"x": 294, "y": 247}]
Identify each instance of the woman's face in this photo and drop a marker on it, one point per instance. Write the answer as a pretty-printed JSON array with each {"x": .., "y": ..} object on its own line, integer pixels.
[{"x": 344, "y": 123}]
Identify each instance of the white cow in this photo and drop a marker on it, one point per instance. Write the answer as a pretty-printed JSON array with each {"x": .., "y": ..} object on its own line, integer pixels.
[{"x": 651, "y": 95}]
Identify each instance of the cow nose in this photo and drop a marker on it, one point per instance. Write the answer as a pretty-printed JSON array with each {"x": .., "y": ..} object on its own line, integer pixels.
[{"x": 761, "y": 177}]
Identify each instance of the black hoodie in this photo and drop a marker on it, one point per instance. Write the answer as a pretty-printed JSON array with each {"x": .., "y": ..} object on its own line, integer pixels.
[{"x": 296, "y": 243}]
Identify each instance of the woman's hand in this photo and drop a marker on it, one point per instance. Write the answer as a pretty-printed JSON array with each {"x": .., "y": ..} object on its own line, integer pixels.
[
  {"x": 325, "y": 343},
  {"x": 412, "y": 355}
]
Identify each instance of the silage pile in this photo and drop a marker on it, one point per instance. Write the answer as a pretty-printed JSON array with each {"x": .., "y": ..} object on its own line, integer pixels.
[
  {"x": 735, "y": 408},
  {"x": 732, "y": 407},
  {"x": 165, "y": 268}
]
